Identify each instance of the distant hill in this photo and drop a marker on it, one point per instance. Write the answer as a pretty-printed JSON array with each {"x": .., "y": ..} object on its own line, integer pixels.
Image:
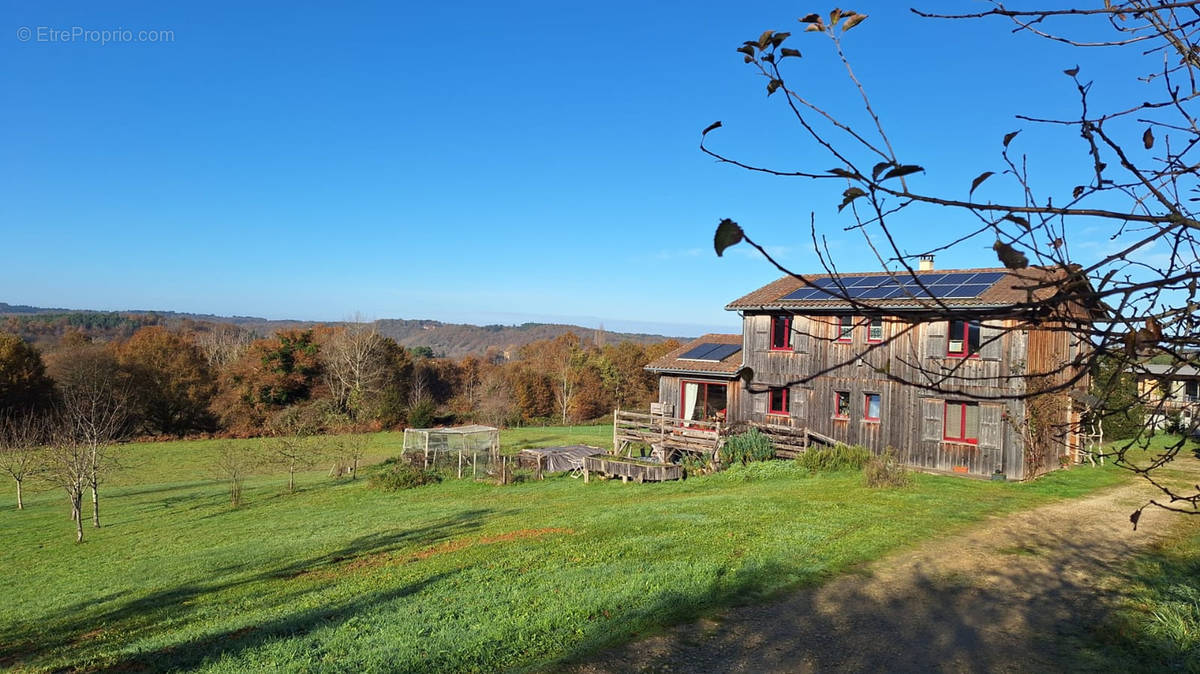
[{"x": 453, "y": 340}]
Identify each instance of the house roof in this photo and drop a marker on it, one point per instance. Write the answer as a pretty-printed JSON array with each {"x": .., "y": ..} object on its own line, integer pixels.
[
  {"x": 1007, "y": 290},
  {"x": 726, "y": 367},
  {"x": 1163, "y": 369}
]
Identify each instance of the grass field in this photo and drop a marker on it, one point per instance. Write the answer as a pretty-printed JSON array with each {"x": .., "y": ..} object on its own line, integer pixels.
[{"x": 456, "y": 576}]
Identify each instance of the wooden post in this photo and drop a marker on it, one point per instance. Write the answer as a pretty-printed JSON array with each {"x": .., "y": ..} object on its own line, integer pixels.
[
  {"x": 460, "y": 463},
  {"x": 614, "y": 449},
  {"x": 586, "y": 473},
  {"x": 504, "y": 470},
  {"x": 540, "y": 475}
]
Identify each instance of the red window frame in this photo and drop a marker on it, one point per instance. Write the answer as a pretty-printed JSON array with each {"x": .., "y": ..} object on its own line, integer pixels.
[
  {"x": 771, "y": 409},
  {"x": 837, "y": 397},
  {"x": 845, "y": 333},
  {"x": 787, "y": 332},
  {"x": 870, "y": 321},
  {"x": 962, "y": 407},
  {"x": 966, "y": 351},
  {"x": 867, "y": 407},
  {"x": 703, "y": 401}
]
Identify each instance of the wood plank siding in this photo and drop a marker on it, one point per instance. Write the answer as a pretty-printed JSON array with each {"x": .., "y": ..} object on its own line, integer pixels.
[{"x": 911, "y": 419}]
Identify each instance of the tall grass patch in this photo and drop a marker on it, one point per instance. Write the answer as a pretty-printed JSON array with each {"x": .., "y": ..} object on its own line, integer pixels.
[{"x": 836, "y": 458}]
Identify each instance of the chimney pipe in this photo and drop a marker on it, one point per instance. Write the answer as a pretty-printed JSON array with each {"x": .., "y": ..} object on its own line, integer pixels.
[{"x": 925, "y": 263}]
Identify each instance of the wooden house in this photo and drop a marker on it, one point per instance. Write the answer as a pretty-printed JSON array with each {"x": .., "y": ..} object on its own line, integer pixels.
[
  {"x": 1168, "y": 391},
  {"x": 912, "y": 362}
]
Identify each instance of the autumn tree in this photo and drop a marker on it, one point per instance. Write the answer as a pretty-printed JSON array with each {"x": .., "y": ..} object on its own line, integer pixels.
[
  {"x": 272, "y": 374},
  {"x": 171, "y": 382},
  {"x": 1134, "y": 180},
  {"x": 23, "y": 381},
  {"x": 68, "y": 466}
]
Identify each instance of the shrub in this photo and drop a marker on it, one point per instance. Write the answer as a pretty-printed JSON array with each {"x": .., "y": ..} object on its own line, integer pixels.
[
  {"x": 838, "y": 457},
  {"x": 396, "y": 475},
  {"x": 886, "y": 470},
  {"x": 746, "y": 447}
]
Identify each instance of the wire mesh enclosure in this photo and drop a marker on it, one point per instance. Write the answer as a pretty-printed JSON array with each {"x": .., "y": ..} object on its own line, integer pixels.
[{"x": 471, "y": 452}]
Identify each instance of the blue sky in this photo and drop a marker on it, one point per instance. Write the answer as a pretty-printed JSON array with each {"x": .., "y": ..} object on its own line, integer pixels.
[{"x": 471, "y": 162}]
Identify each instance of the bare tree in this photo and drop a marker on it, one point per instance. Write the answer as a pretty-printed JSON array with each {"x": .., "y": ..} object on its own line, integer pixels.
[
  {"x": 68, "y": 466},
  {"x": 22, "y": 454},
  {"x": 235, "y": 462},
  {"x": 293, "y": 447},
  {"x": 94, "y": 412},
  {"x": 1137, "y": 182},
  {"x": 222, "y": 344},
  {"x": 355, "y": 366},
  {"x": 348, "y": 452}
]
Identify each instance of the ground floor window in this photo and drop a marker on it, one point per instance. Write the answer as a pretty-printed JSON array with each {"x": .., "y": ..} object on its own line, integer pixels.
[
  {"x": 871, "y": 405},
  {"x": 778, "y": 401},
  {"x": 1191, "y": 389},
  {"x": 703, "y": 401},
  {"x": 962, "y": 422},
  {"x": 841, "y": 404}
]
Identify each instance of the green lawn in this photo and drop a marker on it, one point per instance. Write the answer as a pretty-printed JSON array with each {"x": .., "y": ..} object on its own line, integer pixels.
[{"x": 456, "y": 576}]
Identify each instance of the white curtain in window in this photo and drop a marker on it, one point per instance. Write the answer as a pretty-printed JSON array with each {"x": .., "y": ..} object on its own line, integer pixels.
[{"x": 691, "y": 392}]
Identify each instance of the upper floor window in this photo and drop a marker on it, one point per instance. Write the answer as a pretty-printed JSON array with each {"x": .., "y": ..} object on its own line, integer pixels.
[
  {"x": 875, "y": 331},
  {"x": 781, "y": 328},
  {"x": 962, "y": 422},
  {"x": 871, "y": 406},
  {"x": 845, "y": 329},
  {"x": 777, "y": 401},
  {"x": 841, "y": 404},
  {"x": 963, "y": 340}
]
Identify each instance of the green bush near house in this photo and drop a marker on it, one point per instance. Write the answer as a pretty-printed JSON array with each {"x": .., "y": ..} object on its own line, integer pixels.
[
  {"x": 746, "y": 447},
  {"x": 836, "y": 458}
]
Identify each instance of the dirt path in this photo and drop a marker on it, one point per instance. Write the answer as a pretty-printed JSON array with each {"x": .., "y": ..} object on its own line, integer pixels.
[{"x": 1005, "y": 595}]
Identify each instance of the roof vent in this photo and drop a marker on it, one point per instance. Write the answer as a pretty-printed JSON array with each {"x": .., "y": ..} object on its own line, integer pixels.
[{"x": 926, "y": 263}]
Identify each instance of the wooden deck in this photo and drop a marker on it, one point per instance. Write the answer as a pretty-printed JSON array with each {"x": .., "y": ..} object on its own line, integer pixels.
[
  {"x": 669, "y": 436},
  {"x": 626, "y": 468}
]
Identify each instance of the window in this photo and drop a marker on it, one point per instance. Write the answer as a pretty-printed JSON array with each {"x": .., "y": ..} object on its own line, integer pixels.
[
  {"x": 963, "y": 340},
  {"x": 1191, "y": 390},
  {"x": 962, "y": 422},
  {"x": 777, "y": 401},
  {"x": 871, "y": 407},
  {"x": 845, "y": 329},
  {"x": 780, "y": 333},
  {"x": 875, "y": 331},
  {"x": 841, "y": 404},
  {"x": 703, "y": 401}
]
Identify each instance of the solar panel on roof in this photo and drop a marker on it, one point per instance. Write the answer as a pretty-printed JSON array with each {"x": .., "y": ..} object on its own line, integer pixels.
[
  {"x": 874, "y": 293},
  {"x": 969, "y": 290},
  {"x": 988, "y": 277},
  {"x": 902, "y": 286},
  {"x": 722, "y": 352},
  {"x": 710, "y": 351},
  {"x": 698, "y": 352}
]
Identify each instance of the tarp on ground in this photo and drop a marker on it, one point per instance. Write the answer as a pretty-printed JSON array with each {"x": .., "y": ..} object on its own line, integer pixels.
[{"x": 559, "y": 459}]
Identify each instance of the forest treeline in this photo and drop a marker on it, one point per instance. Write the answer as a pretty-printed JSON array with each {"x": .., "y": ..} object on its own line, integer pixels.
[
  {"x": 44, "y": 327},
  {"x": 205, "y": 378}
]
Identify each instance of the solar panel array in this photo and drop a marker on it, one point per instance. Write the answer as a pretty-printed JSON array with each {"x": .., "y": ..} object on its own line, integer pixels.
[
  {"x": 711, "y": 352},
  {"x": 940, "y": 285}
]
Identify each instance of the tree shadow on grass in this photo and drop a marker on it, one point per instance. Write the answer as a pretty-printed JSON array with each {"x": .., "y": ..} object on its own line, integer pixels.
[
  {"x": 67, "y": 628},
  {"x": 1028, "y": 612},
  {"x": 231, "y": 643}
]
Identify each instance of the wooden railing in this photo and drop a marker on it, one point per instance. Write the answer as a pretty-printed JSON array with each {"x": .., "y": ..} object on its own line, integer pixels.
[{"x": 665, "y": 432}]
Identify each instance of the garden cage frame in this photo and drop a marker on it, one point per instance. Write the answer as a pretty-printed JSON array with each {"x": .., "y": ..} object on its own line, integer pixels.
[{"x": 466, "y": 451}]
